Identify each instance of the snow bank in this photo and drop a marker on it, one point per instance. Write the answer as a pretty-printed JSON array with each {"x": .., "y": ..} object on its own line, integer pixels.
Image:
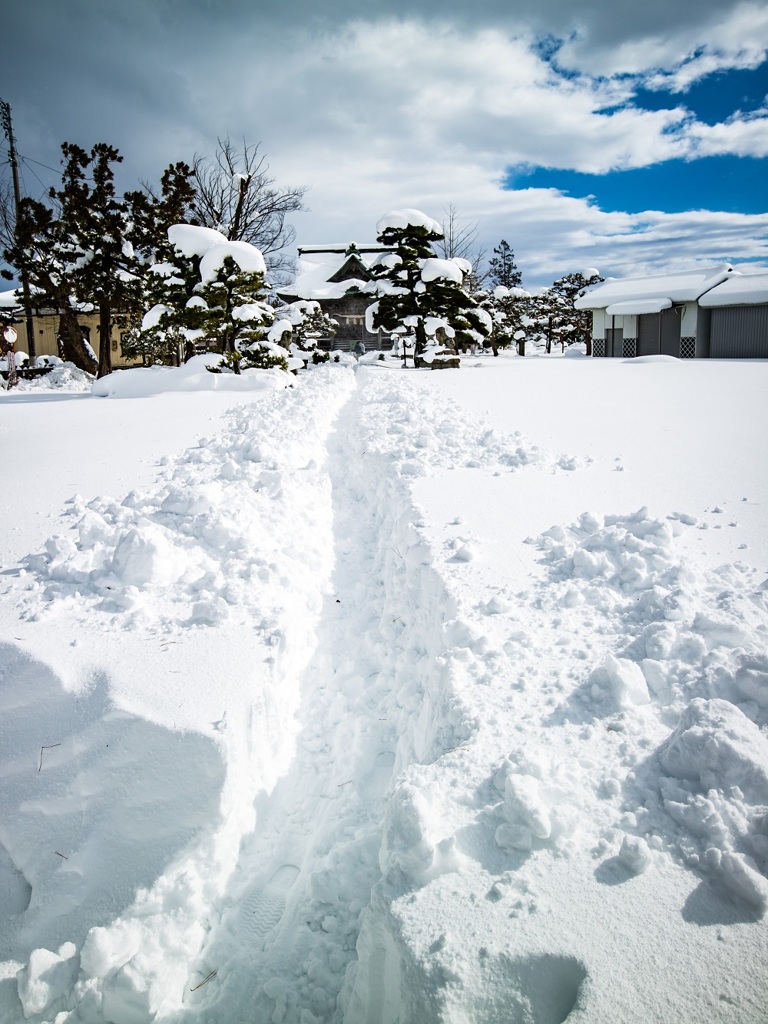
[
  {"x": 122, "y": 832},
  {"x": 64, "y": 377},
  {"x": 193, "y": 375}
]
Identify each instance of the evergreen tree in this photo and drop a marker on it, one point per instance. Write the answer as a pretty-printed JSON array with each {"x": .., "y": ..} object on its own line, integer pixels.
[
  {"x": 214, "y": 290},
  {"x": 510, "y": 311},
  {"x": 89, "y": 246},
  {"x": 39, "y": 246},
  {"x": 503, "y": 269},
  {"x": 94, "y": 226},
  {"x": 561, "y": 321},
  {"x": 421, "y": 295},
  {"x": 301, "y": 327}
]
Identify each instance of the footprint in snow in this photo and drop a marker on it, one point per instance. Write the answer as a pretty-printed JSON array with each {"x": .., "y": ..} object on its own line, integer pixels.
[{"x": 263, "y": 907}]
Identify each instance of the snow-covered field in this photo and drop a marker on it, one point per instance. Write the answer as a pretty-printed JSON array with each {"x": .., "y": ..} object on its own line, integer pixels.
[{"x": 387, "y": 697}]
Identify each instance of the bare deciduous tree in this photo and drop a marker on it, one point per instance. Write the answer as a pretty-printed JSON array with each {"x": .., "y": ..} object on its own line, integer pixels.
[
  {"x": 460, "y": 239},
  {"x": 235, "y": 194}
]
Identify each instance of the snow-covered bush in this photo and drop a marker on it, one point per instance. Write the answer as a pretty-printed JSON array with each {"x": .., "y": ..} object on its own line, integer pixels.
[{"x": 300, "y": 328}]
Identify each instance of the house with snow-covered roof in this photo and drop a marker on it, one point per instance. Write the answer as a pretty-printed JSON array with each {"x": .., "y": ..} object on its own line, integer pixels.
[
  {"x": 663, "y": 314},
  {"x": 336, "y": 276}
]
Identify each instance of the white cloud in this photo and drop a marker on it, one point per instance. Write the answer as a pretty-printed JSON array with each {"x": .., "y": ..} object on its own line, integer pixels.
[
  {"x": 673, "y": 58},
  {"x": 391, "y": 110},
  {"x": 740, "y": 135}
]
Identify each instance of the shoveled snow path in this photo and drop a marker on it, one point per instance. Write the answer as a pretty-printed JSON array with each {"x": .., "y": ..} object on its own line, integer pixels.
[
  {"x": 376, "y": 697},
  {"x": 289, "y": 921}
]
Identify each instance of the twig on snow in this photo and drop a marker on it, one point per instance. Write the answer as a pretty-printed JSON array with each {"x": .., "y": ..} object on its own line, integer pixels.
[
  {"x": 49, "y": 746},
  {"x": 205, "y": 981}
]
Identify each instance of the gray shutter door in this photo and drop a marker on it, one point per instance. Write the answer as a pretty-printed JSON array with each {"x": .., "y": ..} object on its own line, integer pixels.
[
  {"x": 739, "y": 332},
  {"x": 614, "y": 341},
  {"x": 648, "y": 334},
  {"x": 652, "y": 341}
]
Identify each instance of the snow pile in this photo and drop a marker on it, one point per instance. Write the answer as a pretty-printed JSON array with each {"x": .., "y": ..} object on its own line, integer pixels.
[
  {"x": 196, "y": 550},
  {"x": 697, "y": 644},
  {"x": 141, "y": 381},
  {"x": 62, "y": 377}
]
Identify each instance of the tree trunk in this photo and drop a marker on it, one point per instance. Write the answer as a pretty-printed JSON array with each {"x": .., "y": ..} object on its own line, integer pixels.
[
  {"x": 74, "y": 347},
  {"x": 421, "y": 338},
  {"x": 105, "y": 339}
]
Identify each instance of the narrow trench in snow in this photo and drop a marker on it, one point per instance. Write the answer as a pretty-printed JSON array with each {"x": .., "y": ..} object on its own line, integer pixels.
[{"x": 290, "y": 926}]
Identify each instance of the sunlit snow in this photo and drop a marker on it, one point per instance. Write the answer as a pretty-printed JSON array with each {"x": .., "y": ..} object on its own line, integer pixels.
[{"x": 380, "y": 695}]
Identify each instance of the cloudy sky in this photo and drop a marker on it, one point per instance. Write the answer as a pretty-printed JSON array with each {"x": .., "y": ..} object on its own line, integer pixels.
[{"x": 630, "y": 135}]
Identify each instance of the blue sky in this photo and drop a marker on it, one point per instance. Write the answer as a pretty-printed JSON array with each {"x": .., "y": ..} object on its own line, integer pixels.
[
  {"x": 624, "y": 136},
  {"x": 732, "y": 183},
  {"x": 729, "y": 183}
]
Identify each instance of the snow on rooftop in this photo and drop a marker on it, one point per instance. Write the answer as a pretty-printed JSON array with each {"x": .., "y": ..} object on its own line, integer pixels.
[
  {"x": 315, "y": 266},
  {"x": 685, "y": 286},
  {"x": 342, "y": 247},
  {"x": 408, "y": 218},
  {"x": 739, "y": 290}
]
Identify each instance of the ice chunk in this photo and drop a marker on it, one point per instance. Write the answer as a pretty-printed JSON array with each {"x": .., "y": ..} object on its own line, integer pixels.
[
  {"x": 635, "y": 854},
  {"x": 47, "y": 977},
  {"x": 523, "y": 805},
  {"x": 716, "y": 745},
  {"x": 627, "y": 681}
]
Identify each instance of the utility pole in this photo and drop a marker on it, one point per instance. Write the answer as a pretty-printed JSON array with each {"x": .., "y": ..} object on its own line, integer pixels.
[{"x": 5, "y": 117}]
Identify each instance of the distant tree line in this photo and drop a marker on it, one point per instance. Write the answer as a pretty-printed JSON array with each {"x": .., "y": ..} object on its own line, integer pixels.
[{"x": 133, "y": 258}]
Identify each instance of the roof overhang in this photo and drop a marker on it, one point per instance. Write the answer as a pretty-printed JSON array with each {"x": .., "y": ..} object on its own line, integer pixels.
[{"x": 636, "y": 307}]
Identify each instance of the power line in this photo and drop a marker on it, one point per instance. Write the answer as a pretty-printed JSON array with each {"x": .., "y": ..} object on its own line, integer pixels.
[{"x": 30, "y": 159}]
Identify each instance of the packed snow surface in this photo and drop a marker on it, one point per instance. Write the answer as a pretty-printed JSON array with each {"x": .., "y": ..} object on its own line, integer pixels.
[{"x": 387, "y": 696}]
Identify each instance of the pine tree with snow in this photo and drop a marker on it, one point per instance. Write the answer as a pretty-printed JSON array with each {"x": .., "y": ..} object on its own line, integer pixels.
[
  {"x": 503, "y": 269},
  {"x": 214, "y": 290},
  {"x": 94, "y": 224},
  {"x": 421, "y": 296},
  {"x": 509, "y": 309},
  {"x": 562, "y": 323}
]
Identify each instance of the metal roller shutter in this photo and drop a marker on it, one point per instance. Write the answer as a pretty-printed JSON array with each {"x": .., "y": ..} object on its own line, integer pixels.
[{"x": 739, "y": 332}]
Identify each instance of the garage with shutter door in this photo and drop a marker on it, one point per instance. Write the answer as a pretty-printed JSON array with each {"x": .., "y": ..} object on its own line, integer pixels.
[
  {"x": 651, "y": 316},
  {"x": 739, "y": 323}
]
